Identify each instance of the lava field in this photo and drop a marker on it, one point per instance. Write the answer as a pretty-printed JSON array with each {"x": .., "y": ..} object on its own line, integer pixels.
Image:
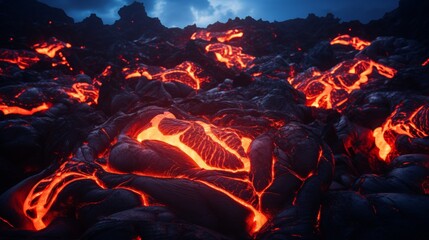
[{"x": 308, "y": 128}]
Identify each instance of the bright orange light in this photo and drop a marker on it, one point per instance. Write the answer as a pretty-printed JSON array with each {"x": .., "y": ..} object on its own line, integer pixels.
[
  {"x": 399, "y": 123},
  {"x": 187, "y": 73},
  {"x": 425, "y": 63},
  {"x": 84, "y": 92},
  {"x": 52, "y": 50},
  {"x": 21, "y": 58},
  {"x": 40, "y": 199},
  {"x": 331, "y": 89},
  {"x": 220, "y": 36},
  {"x": 107, "y": 71},
  {"x": 347, "y": 40},
  {"x": 154, "y": 133},
  {"x": 230, "y": 55},
  {"x": 22, "y": 111},
  {"x": 43, "y": 195},
  {"x": 229, "y": 142}
]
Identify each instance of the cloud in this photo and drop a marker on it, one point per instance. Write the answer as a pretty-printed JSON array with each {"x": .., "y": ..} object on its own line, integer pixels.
[
  {"x": 178, "y": 13},
  {"x": 217, "y": 10},
  {"x": 202, "y": 12}
]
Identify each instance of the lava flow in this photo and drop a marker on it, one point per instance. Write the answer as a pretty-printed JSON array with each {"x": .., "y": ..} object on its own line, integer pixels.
[
  {"x": 347, "y": 40},
  {"x": 220, "y": 157},
  {"x": 22, "y": 111},
  {"x": 23, "y": 59},
  {"x": 84, "y": 93},
  {"x": 399, "y": 123},
  {"x": 233, "y": 57},
  {"x": 331, "y": 89},
  {"x": 217, "y": 150},
  {"x": 308, "y": 128},
  {"x": 52, "y": 49},
  {"x": 44, "y": 194},
  {"x": 187, "y": 73},
  {"x": 211, "y": 148},
  {"x": 220, "y": 36}
]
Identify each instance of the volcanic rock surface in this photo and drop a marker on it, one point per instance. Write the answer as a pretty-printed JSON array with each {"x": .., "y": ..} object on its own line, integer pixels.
[{"x": 304, "y": 129}]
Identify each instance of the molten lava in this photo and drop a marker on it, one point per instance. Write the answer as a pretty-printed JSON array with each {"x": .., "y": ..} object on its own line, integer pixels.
[
  {"x": 187, "y": 73},
  {"x": 52, "y": 49},
  {"x": 84, "y": 93},
  {"x": 22, "y": 59},
  {"x": 210, "y": 147},
  {"x": 399, "y": 123},
  {"x": 331, "y": 89},
  {"x": 22, "y": 111},
  {"x": 233, "y": 57},
  {"x": 425, "y": 63},
  {"x": 223, "y": 156},
  {"x": 347, "y": 40},
  {"x": 220, "y": 36}
]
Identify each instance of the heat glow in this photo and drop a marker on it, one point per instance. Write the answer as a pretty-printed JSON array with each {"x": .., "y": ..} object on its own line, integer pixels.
[
  {"x": 22, "y": 59},
  {"x": 83, "y": 92},
  {"x": 331, "y": 89},
  {"x": 52, "y": 49},
  {"x": 220, "y": 147},
  {"x": 398, "y": 123},
  {"x": 220, "y": 36},
  {"x": 211, "y": 161},
  {"x": 187, "y": 73},
  {"x": 22, "y": 111},
  {"x": 232, "y": 57},
  {"x": 347, "y": 40}
]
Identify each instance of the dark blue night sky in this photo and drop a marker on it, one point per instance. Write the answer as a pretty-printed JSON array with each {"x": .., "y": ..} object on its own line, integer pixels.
[{"x": 202, "y": 12}]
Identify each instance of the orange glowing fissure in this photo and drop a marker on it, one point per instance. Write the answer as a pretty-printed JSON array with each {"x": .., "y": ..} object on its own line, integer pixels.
[
  {"x": 22, "y": 111},
  {"x": 220, "y": 36},
  {"x": 154, "y": 133},
  {"x": 400, "y": 124},
  {"x": 331, "y": 89},
  {"x": 52, "y": 50},
  {"x": 231, "y": 56},
  {"x": 187, "y": 73},
  {"x": 43, "y": 195},
  {"x": 22, "y": 62},
  {"x": 84, "y": 92},
  {"x": 347, "y": 40}
]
